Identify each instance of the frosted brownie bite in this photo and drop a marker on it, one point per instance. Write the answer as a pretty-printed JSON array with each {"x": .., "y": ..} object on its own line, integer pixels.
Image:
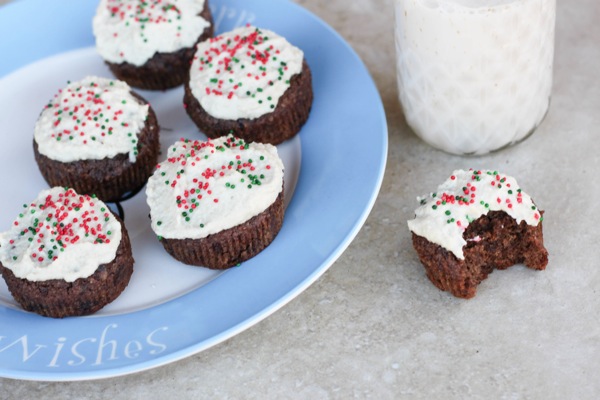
[
  {"x": 65, "y": 255},
  {"x": 97, "y": 137},
  {"x": 150, "y": 43},
  {"x": 475, "y": 222},
  {"x": 217, "y": 203},
  {"x": 252, "y": 82}
]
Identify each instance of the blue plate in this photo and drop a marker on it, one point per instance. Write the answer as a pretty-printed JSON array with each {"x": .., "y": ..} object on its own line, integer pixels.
[{"x": 338, "y": 163}]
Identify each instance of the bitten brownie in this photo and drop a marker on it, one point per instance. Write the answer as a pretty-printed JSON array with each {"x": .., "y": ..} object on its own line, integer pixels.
[
  {"x": 217, "y": 203},
  {"x": 97, "y": 137},
  {"x": 477, "y": 221},
  {"x": 150, "y": 45},
  {"x": 250, "y": 82},
  {"x": 57, "y": 264}
]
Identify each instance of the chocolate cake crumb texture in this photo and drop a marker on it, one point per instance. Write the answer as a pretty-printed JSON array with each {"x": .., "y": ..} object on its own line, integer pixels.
[{"x": 477, "y": 221}]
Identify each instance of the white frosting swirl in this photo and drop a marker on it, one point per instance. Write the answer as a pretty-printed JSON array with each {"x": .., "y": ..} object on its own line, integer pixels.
[
  {"x": 91, "y": 119},
  {"x": 206, "y": 187},
  {"x": 60, "y": 235},
  {"x": 243, "y": 73},
  {"x": 133, "y": 31},
  {"x": 445, "y": 214}
]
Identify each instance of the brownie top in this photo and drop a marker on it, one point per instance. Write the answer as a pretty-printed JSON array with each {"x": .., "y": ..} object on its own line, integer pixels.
[
  {"x": 243, "y": 73},
  {"x": 133, "y": 31},
  {"x": 60, "y": 235},
  {"x": 444, "y": 214},
  {"x": 206, "y": 187},
  {"x": 91, "y": 119}
]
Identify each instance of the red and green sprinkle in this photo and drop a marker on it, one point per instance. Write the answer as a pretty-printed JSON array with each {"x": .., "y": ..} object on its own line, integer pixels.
[
  {"x": 504, "y": 195},
  {"x": 198, "y": 187},
  {"x": 248, "y": 56},
  {"x": 141, "y": 13},
  {"x": 53, "y": 223}
]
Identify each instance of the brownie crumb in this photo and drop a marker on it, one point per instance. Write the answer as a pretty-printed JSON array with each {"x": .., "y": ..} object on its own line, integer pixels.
[{"x": 494, "y": 241}]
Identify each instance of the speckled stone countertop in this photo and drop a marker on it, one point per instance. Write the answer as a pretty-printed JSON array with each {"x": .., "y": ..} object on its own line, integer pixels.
[{"x": 373, "y": 326}]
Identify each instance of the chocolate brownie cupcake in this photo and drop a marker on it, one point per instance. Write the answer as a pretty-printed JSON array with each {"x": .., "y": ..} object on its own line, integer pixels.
[
  {"x": 475, "y": 222},
  {"x": 150, "y": 44},
  {"x": 252, "y": 82},
  {"x": 97, "y": 137},
  {"x": 65, "y": 255},
  {"x": 217, "y": 203}
]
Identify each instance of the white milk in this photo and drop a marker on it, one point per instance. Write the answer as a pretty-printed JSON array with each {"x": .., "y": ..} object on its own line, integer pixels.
[{"x": 474, "y": 75}]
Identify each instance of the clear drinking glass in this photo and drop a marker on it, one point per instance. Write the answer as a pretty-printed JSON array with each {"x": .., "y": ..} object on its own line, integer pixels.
[{"x": 474, "y": 75}]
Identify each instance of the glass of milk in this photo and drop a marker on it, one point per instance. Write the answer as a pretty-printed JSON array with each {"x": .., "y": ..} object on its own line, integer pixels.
[{"x": 474, "y": 76}]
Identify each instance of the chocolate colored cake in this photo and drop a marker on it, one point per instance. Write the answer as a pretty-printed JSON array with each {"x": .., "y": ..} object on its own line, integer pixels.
[
  {"x": 150, "y": 45},
  {"x": 502, "y": 243},
  {"x": 250, "y": 82},
  {"x": 89, "y": 168},
  {"x": 217, "y": 203},
  {"x": 232, "y": 246},
  {"x": 477, "y": 221},
  {"x": 61, "y": 272}
]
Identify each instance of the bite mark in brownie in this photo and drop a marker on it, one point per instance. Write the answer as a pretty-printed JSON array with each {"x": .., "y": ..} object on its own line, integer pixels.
[{"x": 494, "y": 241}]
